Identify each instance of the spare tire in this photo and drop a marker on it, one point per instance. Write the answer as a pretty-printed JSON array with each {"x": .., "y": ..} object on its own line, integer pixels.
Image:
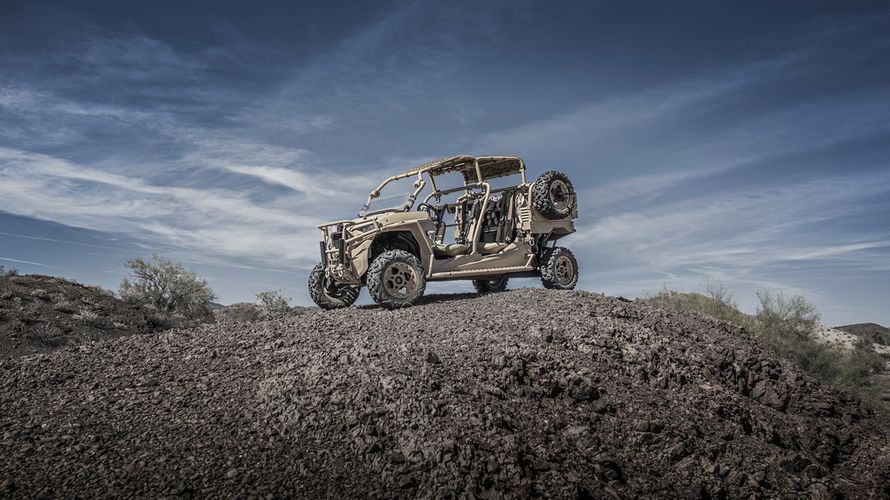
[{"x": 553, "y": 195}]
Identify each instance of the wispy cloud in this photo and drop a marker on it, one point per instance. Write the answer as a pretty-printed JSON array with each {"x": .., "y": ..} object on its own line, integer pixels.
[
  {"x": 20, "y": 261},
  {"x": 750, "y": 238},
  {"x": 765, "y": 170},
  {"x": 211, "y": 221}
]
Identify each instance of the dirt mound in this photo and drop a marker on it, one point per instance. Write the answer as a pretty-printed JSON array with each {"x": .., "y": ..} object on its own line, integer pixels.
[
  {"x": 239, "y": 312},
  {"x": 40, "y": 313},
  {"x": 244, "y": 312},
  {"x": 529, "y": 392}
]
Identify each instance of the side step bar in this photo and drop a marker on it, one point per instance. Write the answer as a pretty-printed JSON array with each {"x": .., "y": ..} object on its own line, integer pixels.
[{"x": 480, "y": 272}]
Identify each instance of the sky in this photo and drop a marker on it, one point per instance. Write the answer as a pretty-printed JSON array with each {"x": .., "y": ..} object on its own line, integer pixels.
[{"x": 740, "y": 142}]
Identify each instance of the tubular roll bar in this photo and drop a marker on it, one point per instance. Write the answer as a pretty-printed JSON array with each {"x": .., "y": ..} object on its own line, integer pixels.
[{"x": 420, "y": 183}]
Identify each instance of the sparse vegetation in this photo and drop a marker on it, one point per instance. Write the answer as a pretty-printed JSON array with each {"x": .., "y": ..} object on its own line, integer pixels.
[
  {"x": 45, "y": 335},
  {"x": 8, "y": 272},
  {"x": 86, "y": 316},
  {"x": 168, "y": 287},
  {"x": 273, "y": 304},
  {"x": 42, "y": 313},
  {"x": 788, "y": 324},
  {"x": 717, "y": 301},
  {"x": 238, "y": 313}
]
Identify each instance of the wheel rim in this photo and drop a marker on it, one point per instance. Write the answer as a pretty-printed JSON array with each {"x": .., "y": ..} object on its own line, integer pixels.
[
  {"x": 565, "y": 270},
  {"x": 400, "y": 280},
  {"x": 559, "y": 194},
  {"x": 495, "y": 283}
]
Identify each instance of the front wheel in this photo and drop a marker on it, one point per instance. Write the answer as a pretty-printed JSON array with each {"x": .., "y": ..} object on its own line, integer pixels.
[
  {"x": 498, "y": 284},
  {"x": 559, "y": 269},
  {"x": 330, "y": 295},
  {"x": 396, "y": 279}
]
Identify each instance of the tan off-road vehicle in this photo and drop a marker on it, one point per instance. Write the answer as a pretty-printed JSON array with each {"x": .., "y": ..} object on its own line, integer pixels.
[{"x": 500, "y": 226}]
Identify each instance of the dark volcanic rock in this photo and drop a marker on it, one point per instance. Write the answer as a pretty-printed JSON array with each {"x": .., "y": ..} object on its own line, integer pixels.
[
  {"x": 523, "y": 393},
  {"x": 43, "y": 313}
]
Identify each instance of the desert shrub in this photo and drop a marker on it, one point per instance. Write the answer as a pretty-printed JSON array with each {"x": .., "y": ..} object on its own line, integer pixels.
[
  {"x": 86, "y": 316},
  {"x": 788, "y": 325},
  {"x": 785, "y": 319},
  {"x": 65, "y": 306},
  {"x": 167, "y": 287},
  {"x": 273, "y": 304},
  {"x": 45, "y": 335},
  {"x": 717, "y": 301},
  {"x": 8, "y": 272}
]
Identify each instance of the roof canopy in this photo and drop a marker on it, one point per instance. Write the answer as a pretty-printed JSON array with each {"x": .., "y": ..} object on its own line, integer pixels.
[{"x": 489, "y": 166}]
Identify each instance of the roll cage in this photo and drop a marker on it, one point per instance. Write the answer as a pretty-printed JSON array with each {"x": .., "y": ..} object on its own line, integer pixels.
[{"x": 476, "y": 171}]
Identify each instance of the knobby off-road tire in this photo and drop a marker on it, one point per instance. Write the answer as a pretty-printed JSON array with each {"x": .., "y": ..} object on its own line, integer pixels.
[
  {"x": 553, "y": 195},
  {"x": 396, "y": 279},
  {"x": 498, "y": 284},
  {"x": 334, "y": 298},
  {"x": 559, "y": 269}
]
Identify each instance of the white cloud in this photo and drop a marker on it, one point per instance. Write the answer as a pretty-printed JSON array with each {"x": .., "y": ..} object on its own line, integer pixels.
[
  {"x": 750, "y": 238},
  {"x": 208, "y": 221},
  {"x": 20, "y": 261}
]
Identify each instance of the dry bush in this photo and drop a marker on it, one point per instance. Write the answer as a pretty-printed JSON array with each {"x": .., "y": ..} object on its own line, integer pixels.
[
  {"x": 65, "y": 306},
  {"x": 86, "y": 316},
  {"x": 8, "y": 272},
  {"x": 45, "y": 335},
  {"x": 788, "y": 324},
  {"x": 273, "y": 304},
  {"x": 167, "y": 287},
  {"x": 717, "y": 301}
]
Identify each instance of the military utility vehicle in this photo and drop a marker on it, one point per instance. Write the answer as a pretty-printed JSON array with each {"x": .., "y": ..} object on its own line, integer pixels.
[{"x": 478, "y": 219}]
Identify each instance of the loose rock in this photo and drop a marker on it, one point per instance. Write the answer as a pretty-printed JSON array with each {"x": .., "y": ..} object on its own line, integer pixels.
[{"x": 624, "y": 400}]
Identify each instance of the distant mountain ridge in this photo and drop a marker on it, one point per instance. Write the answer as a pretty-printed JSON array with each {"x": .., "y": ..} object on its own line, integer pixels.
[{"x": 872, "y": 332}]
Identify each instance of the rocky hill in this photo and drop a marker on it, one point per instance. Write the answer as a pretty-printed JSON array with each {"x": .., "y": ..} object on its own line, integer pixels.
[
  {"x": 523, "y": 393},
  {"x": 871, "y": 332},
  {"x": 41, "y": 313}
]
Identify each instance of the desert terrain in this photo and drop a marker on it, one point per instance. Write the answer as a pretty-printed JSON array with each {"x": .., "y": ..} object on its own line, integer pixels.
[{"x": 523, "y": 393}]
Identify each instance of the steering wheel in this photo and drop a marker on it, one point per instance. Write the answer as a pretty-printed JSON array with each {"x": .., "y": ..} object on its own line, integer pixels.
[{"x": 432, "y": 211}]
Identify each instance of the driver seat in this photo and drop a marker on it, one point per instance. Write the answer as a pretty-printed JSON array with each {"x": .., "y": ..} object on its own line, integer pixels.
[{"x": 450, "y": 250}]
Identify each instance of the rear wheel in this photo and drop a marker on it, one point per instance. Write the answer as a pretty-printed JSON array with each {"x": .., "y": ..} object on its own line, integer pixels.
[
  {"x": 330, "y": 295},
  {"x": 559, "y": 269},
  {"x": 498, "y": 284},
  {"x": 396, "y": 279}
]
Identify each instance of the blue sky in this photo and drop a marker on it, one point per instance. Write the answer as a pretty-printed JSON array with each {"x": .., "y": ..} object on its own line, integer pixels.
[{"x": 742, "y": 142}]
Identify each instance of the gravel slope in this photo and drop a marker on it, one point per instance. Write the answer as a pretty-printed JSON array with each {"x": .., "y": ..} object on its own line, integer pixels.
[
  {"x": 528, "y": 392},
  {"x": 43, "y": 313}
]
